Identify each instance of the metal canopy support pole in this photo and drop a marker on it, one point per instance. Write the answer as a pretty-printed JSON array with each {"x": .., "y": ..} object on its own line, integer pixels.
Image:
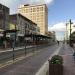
[
  {"x": 13, "y": 50},
  {"x": 25, "y": 40},
  {"x": 25, "y": 46},
  {"x": 36, "y": 42},
  {"x": 14, "y": 44}
]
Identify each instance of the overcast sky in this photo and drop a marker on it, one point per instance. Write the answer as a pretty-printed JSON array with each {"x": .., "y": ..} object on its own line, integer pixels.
[{"x": 59, "y": 11}]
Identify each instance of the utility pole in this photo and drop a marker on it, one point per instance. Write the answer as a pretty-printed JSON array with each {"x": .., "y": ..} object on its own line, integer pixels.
[
  {"x": 67, "y": 33},
  {"x": 70, "y": 30}
]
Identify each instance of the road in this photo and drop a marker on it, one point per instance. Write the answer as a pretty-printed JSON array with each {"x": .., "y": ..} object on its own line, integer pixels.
[
  {"x": 29, "y": 65},
  {"x": 7, "y": 55}
]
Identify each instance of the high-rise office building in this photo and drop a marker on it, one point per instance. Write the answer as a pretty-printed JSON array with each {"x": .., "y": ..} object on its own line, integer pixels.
[{"x": 36, "y": 13}]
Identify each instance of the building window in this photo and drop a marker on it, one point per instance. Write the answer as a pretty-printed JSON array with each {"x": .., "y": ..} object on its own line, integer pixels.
[
  {"x": 34, "y": 10},
  {"x": 31, "y": 10},
  {"x": 26, "y": 10},
  {"x": 41, "y": 9},
  {"x": 37, "y": 8}
]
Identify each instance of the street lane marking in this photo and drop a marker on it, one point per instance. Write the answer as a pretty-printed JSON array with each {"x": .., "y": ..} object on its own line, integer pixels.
[
  {"x": 16, "y": 60},
  {"x": 43, "y": 70}
]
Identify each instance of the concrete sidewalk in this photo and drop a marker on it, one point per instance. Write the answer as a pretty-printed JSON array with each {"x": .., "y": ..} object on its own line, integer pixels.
[{"x": 69, "y": 63}]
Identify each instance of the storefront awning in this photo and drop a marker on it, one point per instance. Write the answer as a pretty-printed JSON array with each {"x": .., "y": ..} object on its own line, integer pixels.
[{"x": 1, "y": 30}]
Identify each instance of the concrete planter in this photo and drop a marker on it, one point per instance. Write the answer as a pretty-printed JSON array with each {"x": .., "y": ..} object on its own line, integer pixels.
[
  {"x": 55, "y": 69},
  {"x": 56, "y": 65}
]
